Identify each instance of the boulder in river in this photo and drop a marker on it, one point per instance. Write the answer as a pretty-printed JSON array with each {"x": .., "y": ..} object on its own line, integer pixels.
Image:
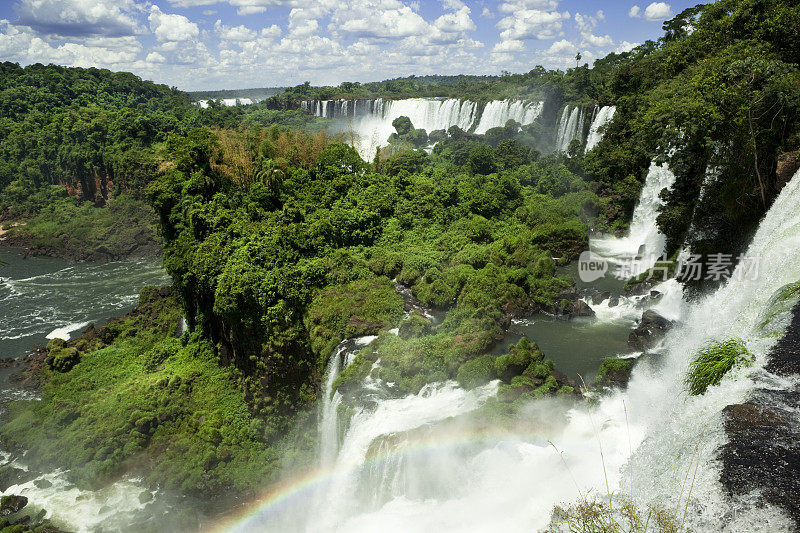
[
  {"x": 651, "y": 328},
  {"x": 12, "y": 504},
  {"x": 615, "y": 372},
  {"x": 11, "y": 475},
  {"x": 581, "y": 308}
]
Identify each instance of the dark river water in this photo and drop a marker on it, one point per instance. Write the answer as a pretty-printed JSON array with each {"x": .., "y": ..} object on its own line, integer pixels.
[{"x": 43, "y": 297}]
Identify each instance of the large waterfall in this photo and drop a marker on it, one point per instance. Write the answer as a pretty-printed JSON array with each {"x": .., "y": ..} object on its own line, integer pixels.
[
  {"x": 403, "y": 465},
  {"x": 570, "y": 127},
  {"x": 368, "y": 123},
  {"x": 498, "y": 112},
  {"x": 603, "y": 117}
]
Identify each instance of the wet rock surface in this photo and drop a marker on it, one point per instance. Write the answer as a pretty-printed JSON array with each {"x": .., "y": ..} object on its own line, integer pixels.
[
  {"x": 652, "y": 327},
  {"x": 12, "y": 504},
  {"x": 762, "y": 454}
]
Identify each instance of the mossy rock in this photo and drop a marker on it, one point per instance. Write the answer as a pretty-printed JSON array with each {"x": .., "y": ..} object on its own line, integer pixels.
[
  {"x": 415, "y": 325},
  {"x": 12, "y": 504},
  {"x": 63, "y": 359},
  {"x": 522, "y": 356},
  {"x": 476, "y": 372},
  {"x": 615, "y": 372},
  {"x": 714, "y": 361}
]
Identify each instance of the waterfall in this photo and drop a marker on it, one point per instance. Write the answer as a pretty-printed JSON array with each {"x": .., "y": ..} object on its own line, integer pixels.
[
  {"x": 228, "y": 102},
  {"x": 373, "y": 130},
  {"x": 570, "y": 127},
  {"x": 643, "y": 241},
  {"x": 342, "y": 356},
  {"x": 603, "y": 117},
  {"x": 498, "y": 112},
  {"x": 651, "y": 442},
  {"x": 372, "y": 119}
]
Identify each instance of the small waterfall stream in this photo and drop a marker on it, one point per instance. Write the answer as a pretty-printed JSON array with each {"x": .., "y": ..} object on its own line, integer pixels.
[
  {"x": 570, "y": 127},
  {"x": 604, "y": 116},
  {"x": 643, "y": 242}
]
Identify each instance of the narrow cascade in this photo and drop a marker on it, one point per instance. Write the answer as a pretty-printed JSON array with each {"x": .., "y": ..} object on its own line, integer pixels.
[
  {"x": 644, "y": 241},
  {"x": 402, "y": 467},
  {"x": 604, "y": 116},
  {"x": 570, "y": 127},
  {"x": 498, "y": 112},
  {"x": 342, "y": 356}
]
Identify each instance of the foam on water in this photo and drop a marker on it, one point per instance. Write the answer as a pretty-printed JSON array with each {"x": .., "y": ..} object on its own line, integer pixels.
[{"x": 64, "y": 332}]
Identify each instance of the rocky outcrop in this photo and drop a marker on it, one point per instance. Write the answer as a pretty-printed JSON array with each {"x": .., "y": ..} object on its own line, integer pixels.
[
  {"x": 615, "y": 373},
  {"x": 12, "y": 504},
  {"x": 652, "y": 328},
  {"x": 762, "y": 455},
  {"x": 788, "y": 165},
  {"x": 10, "y": 475},
  {"x": 143, "y": 243}
]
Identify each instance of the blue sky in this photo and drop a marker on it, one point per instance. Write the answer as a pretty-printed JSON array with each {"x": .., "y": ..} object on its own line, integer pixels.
[{"x": 218, "y": 44}]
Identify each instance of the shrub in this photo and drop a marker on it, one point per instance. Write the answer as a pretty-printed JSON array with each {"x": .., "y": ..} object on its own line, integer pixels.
[
  {"x": 63, "y": 359},
  {"x": 476, "y": 372},
  {"x": 714, "y": 361}
]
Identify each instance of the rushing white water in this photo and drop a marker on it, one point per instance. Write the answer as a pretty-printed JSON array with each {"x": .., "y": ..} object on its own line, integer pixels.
[
  {"x": 227, "y": 102},
  {"x": 65, "y": 332},
  {"x": 369, "y": 122},
  {"x": 110, "y": 508},
  {"x": 373, "y": 130},
  {"x": 653, "y": 442},
  {"x": 498, "y": 112},
  {"x": 604, "y": 116},
  {"x": 329, "y": 433},
  {"x": 644, "y": 243},
  {"x": 570, "y": 127}
]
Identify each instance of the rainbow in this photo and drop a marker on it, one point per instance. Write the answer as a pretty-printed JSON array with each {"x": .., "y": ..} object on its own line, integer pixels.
[{"x": 292, "y": 490}]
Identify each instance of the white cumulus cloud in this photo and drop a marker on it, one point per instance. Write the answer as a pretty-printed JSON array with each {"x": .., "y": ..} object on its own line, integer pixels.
[
  {"x": 658, "y": 11},
  {"x": 171, "y": 27},
  {"x": 73, "y": 18}
]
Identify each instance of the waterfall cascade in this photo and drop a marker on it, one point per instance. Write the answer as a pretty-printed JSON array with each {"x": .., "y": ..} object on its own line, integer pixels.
[
  {"x": 570, "y": 127},
  {"x": 371, "y": 120},
  {"x": 603, "y": 117},
  {"x": 229, "y": 102},
  {"x": 342, "y": 356},
  {"x": 498, "y": 112},
  {"x": 394, "y": 468},
  {"x": 643, "y": 242}
]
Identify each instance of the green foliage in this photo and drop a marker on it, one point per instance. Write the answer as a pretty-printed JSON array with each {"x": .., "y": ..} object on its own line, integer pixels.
[
  {"x": 715, "y": 360},
  {"x": 612, "y": 367},
  {"x": 778, "y": 307},
  {"x": 592, "y": 515},
  {"x": 414, "y": 326},
  {"x": 476, "y": 372},
  {"x": 126, "y": 226},
  {"x": 355, "y": 309}
]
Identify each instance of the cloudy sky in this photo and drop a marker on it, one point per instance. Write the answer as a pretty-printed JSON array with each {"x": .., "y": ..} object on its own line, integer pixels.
[{"x": 216, "y": 44}]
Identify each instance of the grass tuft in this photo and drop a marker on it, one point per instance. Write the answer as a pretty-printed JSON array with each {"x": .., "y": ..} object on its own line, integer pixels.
[{"x": 714, "y": 361}]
